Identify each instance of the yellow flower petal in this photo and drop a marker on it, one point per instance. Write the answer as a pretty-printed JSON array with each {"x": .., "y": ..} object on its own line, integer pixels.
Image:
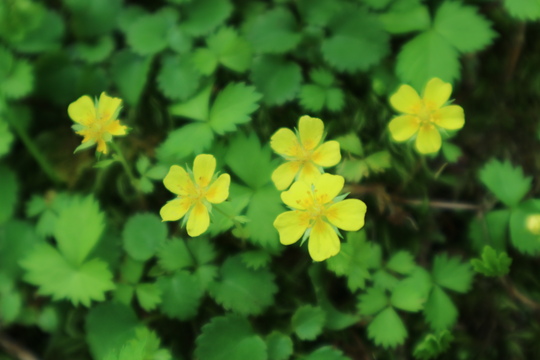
[
  {"x": 347, "y": 214},
  {"x": 218, "y": 192},
  {"x": 203, "y": 169},
  {"x": 428, "y": 140},
  {"x": 107, "y": 106},
  {"x": 437, "y": 93},
  {"x": 309, "y": 173},
  {"x": 311, "y": 131},
  {"x": 291, "y": 225},
  {"x": 285, "y": 173},
  {"x": 299, "y": 196},
  {"x": 323, "y": 241},
  {"x": 115, "y": 128},
  {"x": 285, "y": 142},
  {"x": 327, "y": 154},
  {"x": 199, "y": 220},
  {"x": 406, "y": 100},
  {"x": 327, "y": 187},
  {"x": 450, "y": 117},
  {"x": 175, "y": 209},
  {"x": 178, "y": 182},
  {"x": 102, "y": 146},
  {"x": 403, "y": 127},
  {"x": 82, "y": 111}
]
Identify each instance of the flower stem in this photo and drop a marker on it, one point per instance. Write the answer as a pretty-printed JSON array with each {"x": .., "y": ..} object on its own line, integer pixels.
[
  {"x": 125, "y": 165},
  {"x": 237, "y": 223}
]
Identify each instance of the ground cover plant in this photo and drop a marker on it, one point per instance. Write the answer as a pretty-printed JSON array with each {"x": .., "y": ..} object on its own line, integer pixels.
[{"x": 269, "y": 180}]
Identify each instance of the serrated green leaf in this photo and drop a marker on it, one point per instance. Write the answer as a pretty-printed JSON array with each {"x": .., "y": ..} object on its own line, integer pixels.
[
  {"x": 243, "y": 290},
  {"x": 205, "y": 61},
  {"x": 93, "y": 18},
  {"x": 181, "y": 295},
  {"x": 142, "y": 236},
  {"x": 179, "y": 40},
  {"x": 230, "y": 49},
  {"x": 6, "y": 138},
  {"x": 451, "y": 273},
  {"x": 312, "y": 97},
  {"x": 401, "y": 262},
  {"x": 276, "y": 78},
  {"x": 45, "y": 36},
  {"x": 206, "y": 274},
  {"x": 451, "y": 152},
  {"x": 372, "y": 301},
  {"x": 55, "y": 276},
  {"x": 387, "y": 329},
  {"x": 507, "y": 182},
  {"x": 406, "y": 19},
  {"x": 326, "y": 353},
  {"x": 426, "y": 56},
  {"x": 491, "y": 230},
  {"x": 17, "y": 239},
  {"x": 129, "y": 72},
  {"x": 205, "y": 15},
  {"x": 439, "y": 310},
  {"x": 523, "y": 239},
  {"x": 174, "y": 255},
  {"x": 202, "y": 250},
  {"x": 189, "y": 139},
  {"x": 280, "y": 346},
  {"x": 307, "y": 322},
  {"x": 523, "y": 9},
  {"x": 19, "y": 81},
  {"x": 384, "y": 280},
  {"x": 351, "y": 143},
  {"x": 264, "y": 206},
  {"x": 273, "y": 31},
  {"x": 335, "y": 99},
  {"x": 123, "y": 294},
  {"x": 195, "y": 108},
  {"x": 11, "y": 304},
  {"x": 433, "y": 345},
  {"x": 94, "y": 52},
  {"x": 178, "y": 79},
  {"x": 353, "y": 170},
  {"x": 411, "y": 293},
  {"x": 9, "y": 189},
  {"x": 232, "y": 107},
  {"x": 131, "y": 270},
  {"x": 492, "y": 263},
  {"x": 318, "y": 12},
  {"x": 256, "y": 259},
  {"x": 378, "y": 162},
  {"x": 149, "y": 295},
  {"x": 229, "y": 337},
  {"x": 147, "y": 35}
]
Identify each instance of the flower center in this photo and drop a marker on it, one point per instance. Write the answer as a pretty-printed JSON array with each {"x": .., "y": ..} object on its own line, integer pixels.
[{"x": 425, "y": 115}]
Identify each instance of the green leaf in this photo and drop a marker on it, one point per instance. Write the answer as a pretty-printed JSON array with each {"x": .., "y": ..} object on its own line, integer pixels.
[
  {"x": 181, "y": 295},
  {"x": 372, "y": 301},
  {"x": 108, "y": 327},
  {"x": 307, "y": 322},
  {"x": 9, "y": 189},
  {"x": 426, "y": 56},
  {"x": 451, "y": 152},
  {"x": 278, "y": 79},
  {"x": 202, "y": 250},
  {"x": 94, "y": 52},
  {"x": 179, "y": 40},
  {"x": 387, "y": 329},
  {"x": 129, "y": 72},
  {"x": 205, "y": 15},
  {"x": 256, "y": 259},
  {"x": 143, "y": 234},
  {"x": 229, "y": 337},
  {"x": 508, "y": 183},
  {"x": 232, "y": 107},
  {"x": 355, "y": 32},
  {"x": 174, "y": 255},
  {"x": 178, "y": 79},
  {"x": 405, "y": 19},
  {"x": 78, "y": 228},
  {"x": 131, "y": 270},
  {"x": 17, "y": 239},
  {"x": 401, "y": 262},
  {"x": 149, "y": 295},
  {"x": 524, "y": 240},
  {"x": 45, "y": 36},
  {"x": 280, "y": 346},
  {"x": 196, "y": 108},
  {"x": 145, "y": 346},
  {"x": 452, "y": 274},
  {"x": 6, "y": 138},
  {"x": 264, "y": 206},
  {"x": 230, "y": 50},
  {"x": 491, "y": 230},
  {"x": 182, "y": 142},
  {"x": 315, "y": 98},
  {"x": 55, "y": 276},
  {"x": 381, "y": 278},
  {"x": 433, "y": 345},
  {"x": 148, "y": 34},
  {"x": 206, "y": 274},
  {"x": 326, "y": 353},
  {"x": 11, "y": 304},
  {"x": 318, "y": 12},
  {"x": 205, "y": 61},
  {"x": 463, "y": 27},
  {"x": 439, "y": 310},
  {"x": 273, "y": 31},
  {"x": 492, "y": 263},
  {"x": 93, "y": 18},
  {"x": 523, "y": 9},
  {"x": 353, "y": 170},
  {"x": 17, "y": 78},
  {"x": 243, "y": 290},
  {"x": 351, "y": 143},
  {"x": 411, "y": 293}
]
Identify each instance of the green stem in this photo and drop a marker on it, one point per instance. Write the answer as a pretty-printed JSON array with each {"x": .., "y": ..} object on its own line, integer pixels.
[
  {"x": 237, "y": 223},
  {"x": 34, "y": 151},
  {"x": 125, "y": 165}
]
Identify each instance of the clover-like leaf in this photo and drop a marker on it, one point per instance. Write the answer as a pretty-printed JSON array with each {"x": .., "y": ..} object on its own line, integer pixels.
[
  {"x": 276, "y": 78},
  {"x": 523, "y": 9},
  {"x": 387, "y": 329},
  {"x": 308, "y": 322},
  {"x": 451, "y": 273},
  {"x": 148, "y": 34},
  {"x": 180, "y": 294},
  {"x": 143, "y": 235},
  {"x": 205, "y": 15},
  {"x": 432, "y": 345},
  {"x": 178, "y": 79},
  {"x": 439, "y": 310},
  {"x": 129, "y": 72},
  {"x": 280, "y": 346},
  {"x": 274, "y": 31},
  {"x": 507, "y": 182},
  {"x": 492, "y": 263}
]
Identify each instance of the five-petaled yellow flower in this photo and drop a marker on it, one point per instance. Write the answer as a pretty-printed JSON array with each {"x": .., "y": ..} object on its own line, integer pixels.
[
  {"x": 316, "y": 209},
  {"x": 196, "y": 192},
  {"x": 305, "y": 154},
  {"x": 426, "y": 116},
  {"x": 96, "y": 121}
]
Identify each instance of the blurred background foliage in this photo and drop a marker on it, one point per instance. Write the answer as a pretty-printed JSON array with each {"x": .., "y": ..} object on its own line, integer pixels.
[{"x": 444, "y": 268}]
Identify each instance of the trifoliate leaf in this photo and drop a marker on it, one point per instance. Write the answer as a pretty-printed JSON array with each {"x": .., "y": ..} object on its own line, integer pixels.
[
  {"x": 307, "y": 322},
  {"x": 372, "y": 301},
  {"x": 315, "y": 97},
  {"x": 381, "y": 278},
  {"x": 17, "y": 239},
  {"x": 433, "y": 345},
  {"x": 353, "y": 170},
  {"x": 205, "y": 61},
  {"x": 227, "y": 214},
  {"x": 93, "y": 18},
  {"x": 205, "y": 15},
  {"x": 351, "y": 143},
  {"x": 524, "y": 240},
  {"x": 280, "y": 346},
  {"x": 206, "y": 274},
  {"x": 426, "y": 56},
  {"x": 463, "y": 27},
  {"x": 182, "y": 142},
  {"x": 55, "y": 276},
  {"x": 507, "y": 182},
  {"x": 9, "y": 189},
  {"x": 232, "y": 107},
  {"x": 129, "y": 71},
  {"x": 401, "y": 20},
  {"x": 108, "y": 327},
  {"x": 46, "y": 36},
  {"x": 181, "y": 295},
  {"x": 439, "y": 310},
  {"x": 256, "y": 259},
  {"x": 6, "y": 138},
  {"x": 492, "y": 263},
  {"x": 401, "y": 262},
  {"x": 149, "y": 295},
  {"x": 148, "y": 34},
  {"x": 411, "y": 293},
  {"x": 387, "y": 329},
  {"x": 124, "y": 293},
  {"x": 19, "y": 80},
  {"x": 94, "y": 52},
  {"x": 355, "y": 32},
  {"x": 143, "y": 234},
  {"x": 523, "y": 9},
  {"x": 174, "y": 255},
  {"x": 131, "y": 270},
  {"x": 195, "y": 108},
  {"x": 322, "y": 77},
  {"x": 177, "y": 78},
  {"x": 276, "y": 78},
  {"x": 335, "y": 99},
  {"x": 179, "y": 40},
  {"x": 230, "y": 50},
  {"x": 229, "y": 337},
  {"x": 243, "y": 290},
  {"x": 451, "y": 273},
  {"x": 274, "y": 31},
  {"x": 326, "y": 353},
  {"x": 264, "y": 206},
  {"x": 202, "y": 250},
  {"x": 78, "y": 228},
  {"x": 491, "y": 230}
]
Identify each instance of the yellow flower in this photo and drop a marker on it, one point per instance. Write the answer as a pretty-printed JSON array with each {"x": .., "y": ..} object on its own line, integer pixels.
[
  {"x": 317, "y": 210},
  {"x": 196, "y": 192},
  {"x": 533, "y": 224},
  {"x": 97, "y": 122},
  {"x": 305, "y": 154},
  {"x": 426, "y": 116}
]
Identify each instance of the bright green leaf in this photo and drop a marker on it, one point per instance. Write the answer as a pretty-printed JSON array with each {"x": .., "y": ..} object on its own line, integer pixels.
[
  {"x": 195, "y": 108},
  {"x": 9, "y": 189},
  {"x": 507, "y": 182},
  {"x": 372, "y": 301},
  {"x": 205, "y": 15},
  {"x": 17, "y": 239},
  {"x": 326, "y": 353},
  {"x": 148, "y": 34},
  {"x": 129, "y": 71},
  {"x": 492, "y": 263},
  {"x": 256, "y": 259},
  {"x": 143, "y": 234},
  {"x": 230, "y": 50},
  {"x": 451, "y": 273},
  {"x": 523, "y": 9},
  {"x": 174, "y": 255},
  {"x": 149, "y": 295},
  {"x": 177, "y": 78},
  {"x": 276, "y": 78},
  {"x": 439, "y": 310},
  {"x": 308, "y": 322},
  {"x": 94, "y": 52},
  {"x": 273, "y": 31},
  {"x": 387, "y": 329},
  {"x": 406, "y": 19},
  {"x": 433, "y": 345},
  {"x": 181, "y": 295},
  {"x": 401, "y": 262},
  {"x": 182, "y": 142},
  {"x": 280, "y": 346},
  {"x": 524, "y": 240},
  {"x": 492, "y": 229}
]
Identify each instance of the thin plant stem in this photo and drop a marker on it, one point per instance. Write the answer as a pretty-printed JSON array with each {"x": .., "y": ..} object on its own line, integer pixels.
[{"x": 125, "y": 165}]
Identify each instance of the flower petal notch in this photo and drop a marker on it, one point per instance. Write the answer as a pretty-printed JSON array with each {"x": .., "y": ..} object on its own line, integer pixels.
[
  {"x": 305, "y": 152},
  {"x": 425, "y": 118},
  {"x": 96, "y": 120},
  {"x": 196, "y": 191},
  {"x": 317, "y": 212}
]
